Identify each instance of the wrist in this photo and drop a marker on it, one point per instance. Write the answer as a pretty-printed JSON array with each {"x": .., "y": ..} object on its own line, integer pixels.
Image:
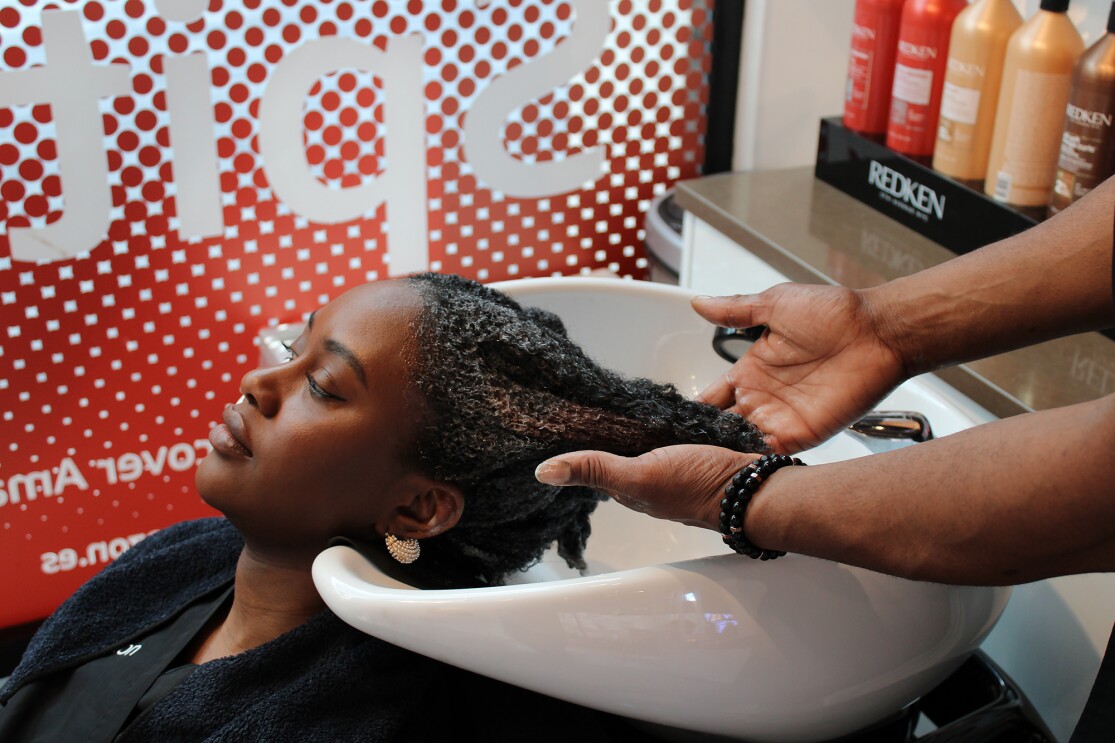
[
  {"x": 768, "y": 519},
  {"x": 709, "y": 512},
  {"x": 738, "y": 495},
  {"x": 895, "y": 327}
]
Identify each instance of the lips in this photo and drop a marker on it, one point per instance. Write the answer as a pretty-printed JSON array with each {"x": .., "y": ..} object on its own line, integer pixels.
[{"x": 231, "y": 437}]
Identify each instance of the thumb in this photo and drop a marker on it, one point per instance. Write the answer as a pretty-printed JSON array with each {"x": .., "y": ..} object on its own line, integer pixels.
[
  {"x": 739, "y": 311},
  {"x": 594, "y": 469}
]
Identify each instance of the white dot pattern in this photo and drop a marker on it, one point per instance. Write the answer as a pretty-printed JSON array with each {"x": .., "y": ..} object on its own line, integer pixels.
[{"x": 123, "y": 353}]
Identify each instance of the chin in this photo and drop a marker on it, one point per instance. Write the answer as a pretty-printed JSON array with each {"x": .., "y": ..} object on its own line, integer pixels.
[{"x": 211, "y": 483}]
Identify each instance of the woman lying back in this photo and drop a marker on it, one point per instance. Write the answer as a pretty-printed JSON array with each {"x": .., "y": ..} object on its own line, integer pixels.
[{"x": 411, "y": 412}]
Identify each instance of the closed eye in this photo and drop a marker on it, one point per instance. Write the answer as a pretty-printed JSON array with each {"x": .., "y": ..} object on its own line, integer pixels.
[
  {"x": 320, "y": 392},
  {"x": 315, "y": 389}
]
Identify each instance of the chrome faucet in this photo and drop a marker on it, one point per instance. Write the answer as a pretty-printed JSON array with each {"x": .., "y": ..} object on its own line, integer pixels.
[{"x": 884, "y": 430}]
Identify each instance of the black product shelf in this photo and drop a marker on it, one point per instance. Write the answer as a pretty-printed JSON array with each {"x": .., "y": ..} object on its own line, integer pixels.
[{"x": 946, "y": 211}]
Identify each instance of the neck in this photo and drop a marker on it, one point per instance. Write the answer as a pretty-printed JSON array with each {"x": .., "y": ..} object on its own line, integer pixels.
[{"x": 270, "y": 597}]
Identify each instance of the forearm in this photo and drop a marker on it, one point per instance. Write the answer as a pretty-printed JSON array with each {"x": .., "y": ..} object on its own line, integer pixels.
[
  {"x": 1012, "y": 501},
  {"x": 1052, "y": 280}
]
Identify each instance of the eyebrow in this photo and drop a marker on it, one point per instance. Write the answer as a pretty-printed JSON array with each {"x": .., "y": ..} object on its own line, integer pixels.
[
  {"x": 341, "y": 350},
  {"x": 348, "y": 357}
]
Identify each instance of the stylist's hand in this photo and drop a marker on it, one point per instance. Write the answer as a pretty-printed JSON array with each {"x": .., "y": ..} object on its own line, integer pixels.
[
  {"x": 820, "y": 366},
  {"x": 681, "y": 483}
]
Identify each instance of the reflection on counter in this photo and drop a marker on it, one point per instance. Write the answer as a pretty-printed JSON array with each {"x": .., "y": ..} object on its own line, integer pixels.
[
  {"x": 875, "y": 257},
  {"x": 893, "y": 257},
  {"x": 1092, "y": 372}
]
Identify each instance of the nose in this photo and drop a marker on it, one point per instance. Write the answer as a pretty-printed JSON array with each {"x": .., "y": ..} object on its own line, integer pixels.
[{"x": 263, "y": 389}]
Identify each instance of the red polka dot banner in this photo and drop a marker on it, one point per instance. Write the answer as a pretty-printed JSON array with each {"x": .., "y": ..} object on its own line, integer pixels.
[{"x": 176, "y": 175}]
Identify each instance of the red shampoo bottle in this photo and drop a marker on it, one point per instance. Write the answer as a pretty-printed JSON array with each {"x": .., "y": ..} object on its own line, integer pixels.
[
  {"x": 871, "y": 65},
  {"x": 919, "y": 75}
]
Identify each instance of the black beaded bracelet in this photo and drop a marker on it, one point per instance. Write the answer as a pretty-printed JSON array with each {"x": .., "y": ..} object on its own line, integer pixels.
[{"x": 738, "y": 495}]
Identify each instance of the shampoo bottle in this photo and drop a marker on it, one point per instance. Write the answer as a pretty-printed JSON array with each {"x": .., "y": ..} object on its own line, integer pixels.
[
  {"x": 1037, "y": 76},
  {"x": 919, "y": 75},
  {"x": 871, "y": 65},
  {"x": 1087, "y": 142},
  {"x": 977, "y": 48}
]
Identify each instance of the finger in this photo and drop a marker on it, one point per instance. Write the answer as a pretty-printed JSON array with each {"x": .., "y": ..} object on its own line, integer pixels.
[
  {"x": 745, "y": 401},
  {"x": 594, "y": 469},
  {"x": 778, "y": 446},
  {"x": 782, "y": 432},
  {"x": 720, "y": 394},
  {"x": 740, "y": 311}
]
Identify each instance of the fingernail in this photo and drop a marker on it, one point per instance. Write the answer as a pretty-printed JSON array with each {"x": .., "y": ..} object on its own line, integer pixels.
[
  {"x": 700, "y": 298},
  {"x": 553, "y": 472}
]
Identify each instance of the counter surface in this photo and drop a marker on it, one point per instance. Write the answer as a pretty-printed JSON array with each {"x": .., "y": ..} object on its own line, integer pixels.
[{"x": 813, "y": 233}]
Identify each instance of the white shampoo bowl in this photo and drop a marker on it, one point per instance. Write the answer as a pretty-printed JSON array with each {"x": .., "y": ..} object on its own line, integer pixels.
[{"x": 667, "y": 627}]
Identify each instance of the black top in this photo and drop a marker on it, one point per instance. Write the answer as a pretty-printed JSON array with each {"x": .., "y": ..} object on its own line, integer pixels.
[
  {"x": 1097, "y": 723},
  {"x": 96, "y": 700}
]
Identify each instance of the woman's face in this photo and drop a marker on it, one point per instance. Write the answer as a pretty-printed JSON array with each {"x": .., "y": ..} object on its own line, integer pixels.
[{"x": 315, "y": 448}]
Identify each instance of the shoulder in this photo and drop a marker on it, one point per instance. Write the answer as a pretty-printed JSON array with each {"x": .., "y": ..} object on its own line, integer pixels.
[
  {"x": 146, "y": 585},
  {"x": 188, "y": 559},
  {"x": 181, "y": 539}
]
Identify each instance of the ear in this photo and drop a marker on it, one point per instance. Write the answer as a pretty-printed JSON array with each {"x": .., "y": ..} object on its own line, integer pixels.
[{"x": 432, "y": 508}]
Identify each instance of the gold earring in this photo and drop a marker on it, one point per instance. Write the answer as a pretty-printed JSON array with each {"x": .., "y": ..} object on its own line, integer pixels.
[{"x": 404, "y": 550}]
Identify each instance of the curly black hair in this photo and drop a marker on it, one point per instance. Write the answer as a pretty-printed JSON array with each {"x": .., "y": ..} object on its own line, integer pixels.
[{"x": 505, "y": 388}]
